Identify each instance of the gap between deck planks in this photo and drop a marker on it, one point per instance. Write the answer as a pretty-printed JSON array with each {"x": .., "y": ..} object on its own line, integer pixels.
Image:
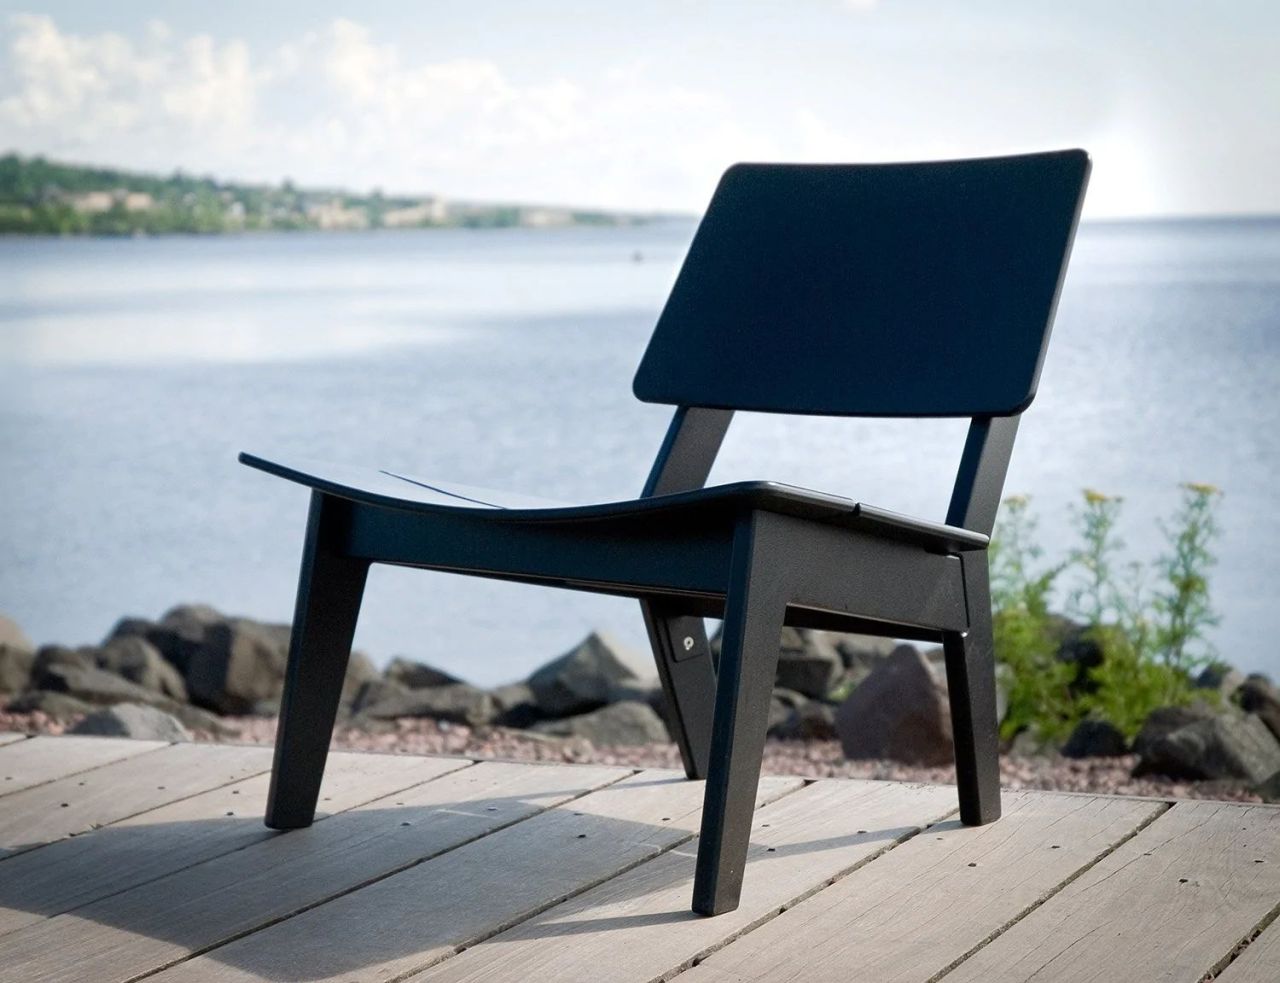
[
  {"x": 1171, "y": 903},
  {"x": 37, "y": 760},
  {"x": 44, "y": 813},
  {"x": 164, "y": 920},
  {"x": 421, "y": 915},
  {"x": 72, "y": 872}
]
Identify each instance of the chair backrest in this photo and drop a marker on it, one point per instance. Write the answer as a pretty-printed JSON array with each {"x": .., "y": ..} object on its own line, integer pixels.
[{"x": 921, "y": 289}]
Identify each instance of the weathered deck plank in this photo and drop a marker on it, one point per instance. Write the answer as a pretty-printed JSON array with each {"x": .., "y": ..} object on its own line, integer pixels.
[
  {"x": 1169, "y": 904},
  {"x": 399, "y": 924},
  {"x": 157, "y": 923},
  {"x": 77, "y": 871},
  {"x": 640, "y": 925},
  {"x": 11, "y": 737},
  {"x": 45, "y": 813},
  {"x": 1260, "y": 962},
  {"x": 24, "y": 764},
  {"x": 922, "y": 907}
]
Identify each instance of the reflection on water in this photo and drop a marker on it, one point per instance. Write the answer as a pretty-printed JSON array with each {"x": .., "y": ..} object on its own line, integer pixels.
[{"x": 131, "y": 372}]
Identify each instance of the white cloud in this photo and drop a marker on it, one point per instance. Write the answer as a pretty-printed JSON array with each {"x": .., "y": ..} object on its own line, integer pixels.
[{"x": 341, "y": 106}]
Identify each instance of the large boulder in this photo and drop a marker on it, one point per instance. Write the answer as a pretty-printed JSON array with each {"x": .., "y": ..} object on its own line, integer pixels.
[
  {"x": 133, "y": 720},
  {"x": 1260, "y": 697},
  {"x": 95, "y": 686},
  {"x": 1095, "y": 739},
  {"x": 515, "y": 705},
  {"x": 417, "y": 675},
  {"x": 1219, "y": 676},
  {"x": 178, "y": 635},
  {"x": 457, "y": 703},
  {"x": 17, "y": 654},
  {"x": 239, "y": 665},
  {"x": 900, "y": 712},
  {"x": 56, "y": 706},
  {"x": 374, "y": 692},
  {"x": 1269, "y": 790},
  {"x": 15, "y": 669},
  {"x": 808, "y": 662},
  {"x": 49, "y": 656},
  {"x": 360, "y": 670},
  {"x": 1164, "y": 721},
  {"x": 1079, "y": 648},
  {"x": 11, "y": 636},
  {"x": 1230, "y": 745},
  {"x": 628, "y": 723},
  {"x": 582, "y": 679},
  {"x": 813, "y": 720},
  {"x": 138, "y": 661}
]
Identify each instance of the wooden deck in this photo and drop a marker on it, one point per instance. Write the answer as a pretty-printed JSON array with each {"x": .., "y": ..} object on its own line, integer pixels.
[{"x": 122, "y": 860}]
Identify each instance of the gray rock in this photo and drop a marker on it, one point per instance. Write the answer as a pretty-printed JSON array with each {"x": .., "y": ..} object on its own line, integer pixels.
[
  {"x": 178, "y": 635},
  {"x": 782, "y": 704},
  {"x": 195, "y": 719},
  {"x": 1269, "y": 789},
  {"x": 96, "y": 686},
  {"x": 899, "y": 712},
  {"x": 1028, "y": 744},
  {"x": 417, "y": 675},
  {"x": 15, "y": 669},
  {"x": 57, "y": 706},
  {"x": 808, "y": 662},
  {"x": 1259, "y": 697},
  {"x": 515, "y": 706},
  {"x": 374, "y": 692},
  {"x": 138, "y": 661},
  {"x": 620, "y": 724},
  {"x": 1081, "y": 650},
  {"x": 239, "y": 664},
  {"x": 811, "y": 721},
  {"x": 1230, "y": 745},
  {"x": 1165, "y": 720},
  {"x": 863, "y": 651},
  {"x": 457, "y": 703},
  {"x": 1095, "y": 739},
  {"x": 580, "y": 680},
  {"x": 360, "y": 670},
  {"x": 1221, "y": 677},
  {"x": 13, "y": 637},
  {"x": 133, "y": 720},
  {"x": 49, "y": 656}
]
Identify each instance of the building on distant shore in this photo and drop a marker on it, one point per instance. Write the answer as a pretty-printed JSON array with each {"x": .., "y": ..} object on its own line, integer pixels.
[
  {"x": 429, "y": 211},
  {"x": 335, "y": 214}
]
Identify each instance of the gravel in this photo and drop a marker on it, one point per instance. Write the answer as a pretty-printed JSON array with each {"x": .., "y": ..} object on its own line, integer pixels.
[{"x": 813, "y": 759}]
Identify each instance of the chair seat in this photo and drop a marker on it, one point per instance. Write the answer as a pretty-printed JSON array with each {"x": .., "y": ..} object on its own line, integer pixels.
[{"x": 393, "y": 489}]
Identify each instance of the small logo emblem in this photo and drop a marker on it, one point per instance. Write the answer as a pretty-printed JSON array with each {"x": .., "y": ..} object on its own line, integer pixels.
[{"x": 688, "y": 643}]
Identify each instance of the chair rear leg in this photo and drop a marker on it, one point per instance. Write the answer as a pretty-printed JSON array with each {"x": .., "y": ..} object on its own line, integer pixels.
[
  {"x": 330, "y": 588},
  {"x": 683, "y": 657},
  {"x": 971, "y": 682},
  {"x": 754, "y": 613}
]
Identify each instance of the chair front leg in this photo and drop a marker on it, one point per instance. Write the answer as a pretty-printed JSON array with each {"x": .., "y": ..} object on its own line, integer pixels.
[
  {"x": 971, "y": 683},
  {"x": 755, "y": 608},
  {"x": 330, "y": 588}
]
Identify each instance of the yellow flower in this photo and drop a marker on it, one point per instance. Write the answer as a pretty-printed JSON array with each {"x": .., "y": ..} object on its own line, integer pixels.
[
  {"x": 1202, "y": 488},
  {"x": 1099, "y": 498},
  {"x": 1017, "y": 501}
]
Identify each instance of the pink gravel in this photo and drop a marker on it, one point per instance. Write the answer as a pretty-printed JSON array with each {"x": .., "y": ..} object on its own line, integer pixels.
[{"x": 814, "y": 759}]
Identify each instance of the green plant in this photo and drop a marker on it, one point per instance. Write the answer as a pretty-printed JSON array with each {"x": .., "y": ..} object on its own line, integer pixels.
[
  {"x": 1150, "y": 646},
  {"x": 1026, "y": 639}
]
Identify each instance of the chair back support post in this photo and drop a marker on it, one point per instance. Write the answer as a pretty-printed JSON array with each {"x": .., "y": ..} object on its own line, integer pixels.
[
  {"x": 678, "y": 639},
  {"x": 975, "y": 498},
  {"x": 688, "y": 451}
]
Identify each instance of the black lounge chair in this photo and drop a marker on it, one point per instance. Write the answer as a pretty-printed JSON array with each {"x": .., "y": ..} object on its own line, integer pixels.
[{"x": 919, "y": 290}]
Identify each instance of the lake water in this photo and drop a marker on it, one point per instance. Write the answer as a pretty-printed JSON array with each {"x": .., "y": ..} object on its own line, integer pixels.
[{"x": 132, "y": 371}]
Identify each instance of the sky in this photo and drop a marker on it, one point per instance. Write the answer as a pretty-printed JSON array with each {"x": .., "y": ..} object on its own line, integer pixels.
[{"x": 642, "y": 105}]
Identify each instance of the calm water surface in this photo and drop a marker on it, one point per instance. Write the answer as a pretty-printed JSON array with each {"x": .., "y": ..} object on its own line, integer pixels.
[{"x": 131, "y": 372}]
